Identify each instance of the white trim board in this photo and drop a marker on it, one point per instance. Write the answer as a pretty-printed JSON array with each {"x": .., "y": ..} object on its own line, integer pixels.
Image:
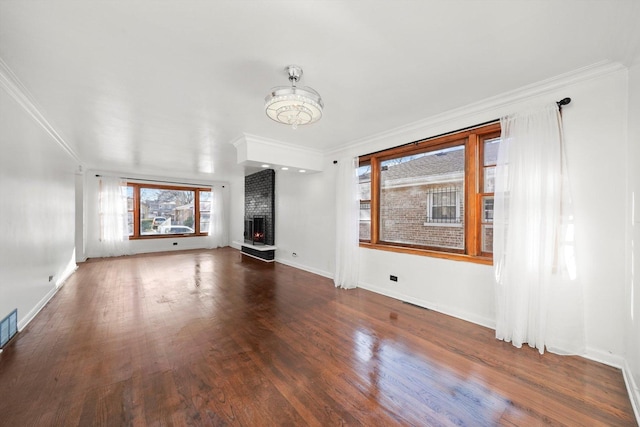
[
  {"x": 474, "y": 113},
  {"x": 21, "y": 95},
  {"x": 305, "y": 268},
  {"x": 633, "y": 389},
  {"x": 469, "y": 317}
]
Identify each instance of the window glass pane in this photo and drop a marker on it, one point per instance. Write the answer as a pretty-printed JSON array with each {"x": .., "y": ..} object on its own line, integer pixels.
[
  {"x": 487, "y": 238},
  {"x": 130, "y": 222},
  {"x": 421, "y": 199},
  {"x": 166, "y": 211},
  {"x": 487, "y": 209},
  {"x": 130, "y": 198},
  {"x": 129, "y": 192},
  {"x": 365, "y": 220},
  {"x": 205, "y": 210},
  {"x": 489, "y": 179},
  {"x": 364, "y": 182},
  {"x": 364, "y": 187},
  {"x": 491, "y": 147}
]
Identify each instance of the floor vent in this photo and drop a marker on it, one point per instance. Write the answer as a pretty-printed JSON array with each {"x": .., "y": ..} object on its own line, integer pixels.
[{"x": 8, "y": 327}]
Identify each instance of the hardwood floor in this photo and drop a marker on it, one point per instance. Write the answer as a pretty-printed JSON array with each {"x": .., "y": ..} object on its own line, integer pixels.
[{"x": 215, "y": 338}]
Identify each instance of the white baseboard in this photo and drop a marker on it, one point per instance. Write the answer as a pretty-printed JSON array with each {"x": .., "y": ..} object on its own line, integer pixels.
[
  {"x": 469, "y": 317},
  {"x": 36, "y": 309},
  {"x": 68, "y": 271},
  {"x": 238, "y": 246},
  {"x": 305, "y": 268},
  {"x": 633, "y": 389},
  {"x": 605, "y": 358}
]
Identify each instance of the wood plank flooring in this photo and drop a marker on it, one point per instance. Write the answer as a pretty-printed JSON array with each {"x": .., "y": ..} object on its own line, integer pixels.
[{"x": 214, "y": 338}]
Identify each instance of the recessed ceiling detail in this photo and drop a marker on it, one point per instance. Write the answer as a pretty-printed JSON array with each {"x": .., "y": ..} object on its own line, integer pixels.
[{"x": 257, "y": 152}]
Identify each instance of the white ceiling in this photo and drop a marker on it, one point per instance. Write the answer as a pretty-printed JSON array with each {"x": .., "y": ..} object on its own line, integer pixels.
[{"x": 163, "y": 87}]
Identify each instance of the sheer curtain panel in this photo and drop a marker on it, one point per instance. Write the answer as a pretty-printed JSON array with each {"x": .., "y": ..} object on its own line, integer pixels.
[
  {"x": 347, "y": 224},
  {"x": 218, "y": 236},
  {"x": 114, "y": 231},
  {"x": 538, "y": 299}
]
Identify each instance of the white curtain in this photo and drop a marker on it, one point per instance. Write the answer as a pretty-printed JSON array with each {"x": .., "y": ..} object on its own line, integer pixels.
[
  {"x": 347, "y": 224},
  {"x": 114, "y": 231},
  {"x": 218, "y": 235},
  {"x": 538, "y": 299}
]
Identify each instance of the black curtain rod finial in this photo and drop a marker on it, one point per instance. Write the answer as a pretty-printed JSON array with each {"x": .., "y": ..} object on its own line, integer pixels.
[{"x": 564, "y": 101}]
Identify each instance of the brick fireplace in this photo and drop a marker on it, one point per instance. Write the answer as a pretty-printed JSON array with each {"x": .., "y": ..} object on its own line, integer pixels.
[{"x": 259, "y": 215}]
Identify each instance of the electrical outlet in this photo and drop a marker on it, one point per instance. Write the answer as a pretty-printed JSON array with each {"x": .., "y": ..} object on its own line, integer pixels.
[{"x": 393, "y": 278}]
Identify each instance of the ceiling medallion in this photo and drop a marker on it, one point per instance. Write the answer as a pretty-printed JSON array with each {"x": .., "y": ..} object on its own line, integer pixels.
[{"x": 293, "y": 106}]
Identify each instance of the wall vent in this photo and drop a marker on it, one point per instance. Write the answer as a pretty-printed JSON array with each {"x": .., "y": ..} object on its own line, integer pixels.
[{"x": 8, "y": 327}]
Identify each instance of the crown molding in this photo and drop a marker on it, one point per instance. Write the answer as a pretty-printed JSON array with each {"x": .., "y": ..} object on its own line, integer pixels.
[
  {"x": 500, "y": 101},
  {"x": 14, "y": 87}
]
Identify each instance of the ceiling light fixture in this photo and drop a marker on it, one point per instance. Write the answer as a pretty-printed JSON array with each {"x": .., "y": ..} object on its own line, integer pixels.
[{"x": 293, "y": 106}]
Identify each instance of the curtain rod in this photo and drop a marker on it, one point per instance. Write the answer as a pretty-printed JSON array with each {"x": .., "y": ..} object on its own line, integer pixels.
[
  {"x": 560, "y": 104},
  {"x": 160, "y": 181}
]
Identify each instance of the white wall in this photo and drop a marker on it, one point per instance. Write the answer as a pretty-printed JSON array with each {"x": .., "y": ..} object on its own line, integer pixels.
[
  {"x": 91, "y": 219},
  {"x": 631, "y": 308},
  {"x": 595, "y": 130},
  {"x": 305, "y": 219},
  {"x": 596, "y": 135},
  {"x": 37, "y": 187},
  {"x": 236, "y": 211}
]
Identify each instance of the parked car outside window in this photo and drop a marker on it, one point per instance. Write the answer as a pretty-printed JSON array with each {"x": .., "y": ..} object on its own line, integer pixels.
[
  {"x": 159, "y": 220},
  {"x": 178, "y": 229}
]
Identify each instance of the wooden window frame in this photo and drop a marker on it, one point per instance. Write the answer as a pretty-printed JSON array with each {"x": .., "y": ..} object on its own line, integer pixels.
[
  {"x": 473, "y": 140},
  {"x": 136, "y": 210}
]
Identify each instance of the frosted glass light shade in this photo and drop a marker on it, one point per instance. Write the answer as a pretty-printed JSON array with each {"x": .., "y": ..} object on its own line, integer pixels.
[{"x": 293, "y": 105}]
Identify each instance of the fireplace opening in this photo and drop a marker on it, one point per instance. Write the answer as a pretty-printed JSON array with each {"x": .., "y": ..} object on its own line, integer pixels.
[{"x": 255, "y": 230}]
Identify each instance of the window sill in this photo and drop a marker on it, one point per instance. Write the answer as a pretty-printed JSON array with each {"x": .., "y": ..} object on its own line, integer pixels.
[
  {"x": 429, "y": 253},
  {"x": 443, "y": 224},
  {"x": 165, "y": 236}
]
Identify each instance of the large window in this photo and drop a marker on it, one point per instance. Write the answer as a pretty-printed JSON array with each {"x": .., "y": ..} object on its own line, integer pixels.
[
  {"x": 433, "y": 197},
  {"x": 161, "y": 211}
]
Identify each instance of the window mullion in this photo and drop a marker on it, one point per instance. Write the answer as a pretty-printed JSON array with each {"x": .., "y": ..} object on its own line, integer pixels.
[
  {"x": 375, "y": 200},
  {"x": 136, "y": 210},
  {"x": 196, "y": 210},
  {"x": 471, "y": 200}
]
